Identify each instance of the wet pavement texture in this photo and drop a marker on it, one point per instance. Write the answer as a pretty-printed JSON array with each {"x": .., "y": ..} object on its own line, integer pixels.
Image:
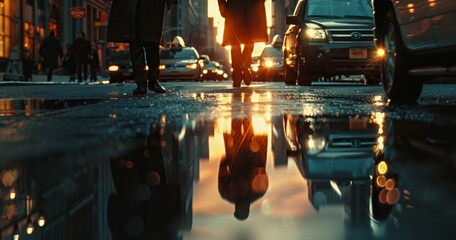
[{"x": 206, "y": 161}]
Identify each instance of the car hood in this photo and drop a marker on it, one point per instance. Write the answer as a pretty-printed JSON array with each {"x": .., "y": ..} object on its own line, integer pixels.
[
  {"x": 179, "y": 61},
  {"x": 345, "y": 23},
  {"x": 120, "y": 62}
]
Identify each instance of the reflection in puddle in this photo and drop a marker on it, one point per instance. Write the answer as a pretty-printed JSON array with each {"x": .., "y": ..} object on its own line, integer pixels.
[
  {"x": 31, "y": 107},
  {"x": 248, "y": 176}
]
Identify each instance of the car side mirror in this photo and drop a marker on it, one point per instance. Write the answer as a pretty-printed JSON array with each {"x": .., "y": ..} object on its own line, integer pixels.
[{"x": 292, "y": 19}]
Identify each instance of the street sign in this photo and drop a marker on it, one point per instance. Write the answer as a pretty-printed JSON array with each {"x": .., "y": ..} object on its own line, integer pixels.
[{"x": 77, "y": 12}]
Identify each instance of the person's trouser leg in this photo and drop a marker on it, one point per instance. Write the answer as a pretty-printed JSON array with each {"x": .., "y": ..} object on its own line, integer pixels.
[
  {"x": 138, "y": 62},
  {"x": 236, "y": 63},
  {"x": 49, "y": 73},
  {"x": 85, "y": 69},
  {"x": 153, "y": 61},
  {"x": 79, "y": 69}
]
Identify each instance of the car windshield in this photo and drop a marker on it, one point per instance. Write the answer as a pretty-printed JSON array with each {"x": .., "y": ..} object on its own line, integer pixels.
[
  {"x": 211, "y": 65},
  {"x": 271, "y": 52},
  {"x": 361, "y": 9},
  {"x": 183, "y": 54}
]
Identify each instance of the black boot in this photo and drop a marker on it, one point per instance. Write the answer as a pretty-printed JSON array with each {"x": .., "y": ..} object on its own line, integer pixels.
[{"x": 155, "y": 86}]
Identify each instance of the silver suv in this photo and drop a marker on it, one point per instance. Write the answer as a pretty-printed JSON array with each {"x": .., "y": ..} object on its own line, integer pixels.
[{"x": 419, "y": 41}]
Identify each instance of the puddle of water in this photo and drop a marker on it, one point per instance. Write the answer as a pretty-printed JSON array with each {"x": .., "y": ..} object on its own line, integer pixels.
[
  {"x": 252, "y": 177},
  {"x": 32, "y": 107}
]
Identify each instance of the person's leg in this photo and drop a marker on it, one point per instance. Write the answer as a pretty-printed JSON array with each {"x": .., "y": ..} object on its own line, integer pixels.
[
  {"x": 85, "y": 67},
  {"x": 153, "y": 62},
  {"x": 137, "y": 59},
  {"x": 236, "y": 63},
  {"x": 49, "y": 73},
  {"x": 79, "y": 69},
  {"x": 246, "y": 61}
]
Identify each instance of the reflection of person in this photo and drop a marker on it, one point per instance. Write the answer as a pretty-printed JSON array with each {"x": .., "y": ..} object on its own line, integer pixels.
[
  {"x": 245, "y": 23},
  {"x": 147, "y": 203},
  {"x": 140, "y": 23},
  {"x": 242, "y": 172},
  {"x": 82, "y": 48},
  {"x": 50, "y": 51}
]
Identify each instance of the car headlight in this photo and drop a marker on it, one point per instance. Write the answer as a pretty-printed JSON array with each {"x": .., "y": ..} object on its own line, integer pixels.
[
  {"x": 192, "y": 66},
  {"x": 205, "y": 71},
  {"x": 255, "y": 68},
  {"x": 220, "y": 72},
  {"x": 315, "y": 144},
  {"x": 113, "y": 68},
  {"x": 269, "y": 63},
  {"x": 161, "y": 67},
  {"x": 315, "y": 32}
]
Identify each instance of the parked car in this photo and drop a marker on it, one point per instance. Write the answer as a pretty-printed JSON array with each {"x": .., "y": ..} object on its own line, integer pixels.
[
  {"x": 271, "y": 61},
  {"x": 120, "y": 67},
  {"x": 329, "y": 38},
  {"x": 419, "y": 42},
  {"x": 180, "y": 62}
]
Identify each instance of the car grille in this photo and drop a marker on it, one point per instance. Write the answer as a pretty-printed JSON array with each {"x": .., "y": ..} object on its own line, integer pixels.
[
  {"x": 351, "y": 142},
  {"x": 351, "y": 35}
]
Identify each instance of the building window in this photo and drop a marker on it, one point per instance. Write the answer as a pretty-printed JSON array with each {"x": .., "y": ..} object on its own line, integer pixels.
[{"x": 5, "y": 26}]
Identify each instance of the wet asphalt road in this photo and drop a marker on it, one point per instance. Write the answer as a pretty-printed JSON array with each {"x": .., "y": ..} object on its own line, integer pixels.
[{"x": 61, "y": 134}]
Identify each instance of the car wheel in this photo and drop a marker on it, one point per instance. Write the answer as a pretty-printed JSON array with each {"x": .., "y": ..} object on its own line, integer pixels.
[
  {"x": 304, "y": 78},
  {"x": 399, "y": 86},
  {"x": 290, "y": 76}
]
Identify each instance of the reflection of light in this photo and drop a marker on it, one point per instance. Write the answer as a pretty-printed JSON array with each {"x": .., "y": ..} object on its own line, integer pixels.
[
  {"x": 390, "y": 183},
  {"x": 382, "y": 167},
  {"x": 41, "y": 220},
  {"x": 411, "y": 8},
  {"x": 381, "y": 180},
  {"x": 377, "y": 98},
  {"x": 382, "y": 196},
  {"x": 260, "y": 127},
  {"x": 380, "y": 140},
  {"x": 393, "y": 196},
  {"x": 432, "y": 3},
  {"x": 30, "y": 228},
  {"x": 380, "y": 52},
  {"x": 12, "y": 194}
]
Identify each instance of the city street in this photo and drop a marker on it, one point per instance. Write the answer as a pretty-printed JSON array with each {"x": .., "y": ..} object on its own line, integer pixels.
[{"x": 209, "y": 161}]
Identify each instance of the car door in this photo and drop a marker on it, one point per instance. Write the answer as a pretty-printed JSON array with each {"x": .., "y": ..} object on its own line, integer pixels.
[
  {"x": 415, "y": 21},
  {"x": 443, "y": 21}
]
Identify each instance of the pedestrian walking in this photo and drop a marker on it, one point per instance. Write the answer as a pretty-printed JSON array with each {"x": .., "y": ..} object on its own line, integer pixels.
[
  {"x": 245, "y": 23},
  {"x": 140, "y": 23},
  {"x": 94, "y": 65},
  {"x": 69, "y": 63},
  {"x": 82, "y": 51},
  {"x": 50, "y": 54}
]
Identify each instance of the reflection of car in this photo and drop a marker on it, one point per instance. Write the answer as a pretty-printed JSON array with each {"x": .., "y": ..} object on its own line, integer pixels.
[
  {"x": 179, "y": 62},
  {"x": 329, "y": 38},
  {"x": 255, "y": 68},
  {"x": 334, "y": 155},
  {"x": 210, "y": 70},
  {"x": 271, "y": 61},
  {"x": 418, "y": 37},
  {"x": 120, "y": 67}
]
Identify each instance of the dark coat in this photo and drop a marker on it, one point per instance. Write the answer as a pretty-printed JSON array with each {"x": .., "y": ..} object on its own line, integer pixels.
[
  {"x": 140, "y": 20},
  {"x": 82, "y": 49},
  {"x": 245, "y": 21},
  {"x": 50, "y": 51}
]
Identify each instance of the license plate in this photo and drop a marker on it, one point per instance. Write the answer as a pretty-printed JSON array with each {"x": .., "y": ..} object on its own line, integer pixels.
[
  {"x": 358, "y": 53},
  {"x": 126, "y": 74}
]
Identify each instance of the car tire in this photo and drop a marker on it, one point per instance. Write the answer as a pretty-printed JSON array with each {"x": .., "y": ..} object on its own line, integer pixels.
[
  {"x": 290, "y": 76},
  {"x": 304, "y": 78},
  {"x": 399, "y": 86}
]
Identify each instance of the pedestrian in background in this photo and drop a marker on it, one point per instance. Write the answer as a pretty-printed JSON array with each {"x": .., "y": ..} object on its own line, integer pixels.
[
  {"x": 140, "y": 23},
  {"x": 82, "y": 50},
  {"x": 50, "y": 53},
  {"x": 94, "y": 65},
  {"x": 69, "y": 63},
  {"x": 245, "y": 23}
]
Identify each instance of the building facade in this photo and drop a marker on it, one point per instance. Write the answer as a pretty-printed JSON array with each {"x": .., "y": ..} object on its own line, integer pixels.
[{"x": 25, "y": 23}]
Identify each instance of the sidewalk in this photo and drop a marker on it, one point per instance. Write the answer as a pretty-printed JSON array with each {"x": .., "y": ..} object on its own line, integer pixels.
[{"x": 56, "y": 79}]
